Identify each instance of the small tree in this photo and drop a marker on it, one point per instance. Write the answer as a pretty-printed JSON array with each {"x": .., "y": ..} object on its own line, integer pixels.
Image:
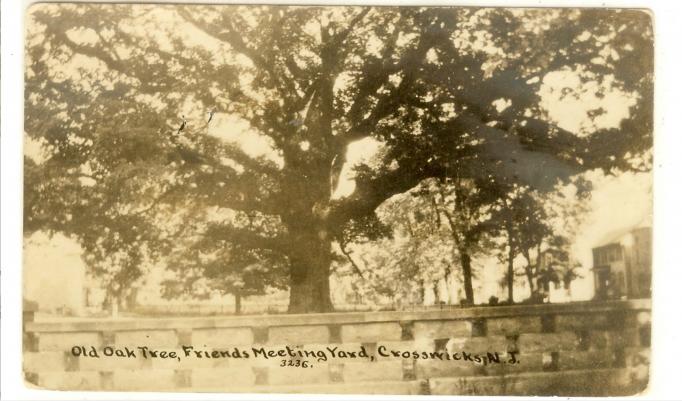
[
  {"x": 211, "y": 265},
  {"x": 409, "y": 251},
  {"x": 466, "y": 207},
  {"x": 539, "y": 228}
]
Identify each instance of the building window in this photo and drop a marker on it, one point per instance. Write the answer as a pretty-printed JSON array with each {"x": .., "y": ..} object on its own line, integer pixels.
[
  {"x": 614, "y": 254},
  {"x": 602, "y": 282}
]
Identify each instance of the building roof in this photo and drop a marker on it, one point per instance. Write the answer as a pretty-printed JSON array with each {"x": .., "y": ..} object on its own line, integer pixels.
[{"x": 614, "y": 237}]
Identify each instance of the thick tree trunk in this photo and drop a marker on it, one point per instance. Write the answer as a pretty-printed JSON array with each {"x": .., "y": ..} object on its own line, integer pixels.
[
  {"x": 539, "y": 286},
  {"x": 510, "y": 264},
  {"x": 238, "y": 302},
  {"x": 531, "y": 281},
  {"x": 310, "y": 260},
  {"x": 436, "y": 293},
  {"x": 468, "y": 277},
  {"x": 529, "y": 272},
  {"x": 510, "y": 277}
]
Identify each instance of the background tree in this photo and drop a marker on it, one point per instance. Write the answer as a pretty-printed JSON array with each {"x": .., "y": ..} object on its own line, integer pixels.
[
  {"x": 541, "y": 228},
  {"x": 465, "y": 207},
  {"x": 505, "y": 218},
  {"x": 117, "y": 96},
  {"x": 207, "y": 266},
  {"x": 410, "y": 256}
]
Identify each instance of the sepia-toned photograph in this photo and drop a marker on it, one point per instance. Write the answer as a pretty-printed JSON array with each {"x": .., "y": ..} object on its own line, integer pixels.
[{"x": 337, "y": 199}]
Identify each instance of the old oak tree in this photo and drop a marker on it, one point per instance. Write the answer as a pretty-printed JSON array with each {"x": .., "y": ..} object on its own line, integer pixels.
[{"x": 125, "y": 103}]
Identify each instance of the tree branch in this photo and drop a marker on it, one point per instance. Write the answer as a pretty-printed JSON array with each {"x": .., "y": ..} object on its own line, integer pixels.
[
  {"x": 246, "y": 238},
  {"x": 454, "y": 231},
  {"x": 339, "y": 38},
  {"x": 226, "y": 33},
  {"x": 372, "y": 191},
  {"x": 155, "y": 202},
  {"x": 91, "y": 51},
  {"x": 409, "y": 64},
  {"x": 342, "y": 246}
]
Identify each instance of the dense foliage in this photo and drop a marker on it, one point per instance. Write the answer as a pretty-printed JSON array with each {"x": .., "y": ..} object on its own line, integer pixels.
[{"x": 125, "y": 101}]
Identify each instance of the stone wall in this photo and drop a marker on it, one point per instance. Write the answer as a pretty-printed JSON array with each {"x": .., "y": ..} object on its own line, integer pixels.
[{"x": 562, "y": 349}]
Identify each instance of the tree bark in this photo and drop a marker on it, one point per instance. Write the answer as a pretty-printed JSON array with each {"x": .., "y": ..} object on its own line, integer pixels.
[
  {"x": 436, "y": 293},
  {"x": 466, "y": 271},
  {"x": 448, "y": 290},
  {"x": 310, "y": 260},
  {"x": 238, "y": 302},
  {"x": 510, "y": 268},
  {"x": 510, "y": 277},
  {"x": 529, "y": 272},
  {"x": 539, "y": 286}
]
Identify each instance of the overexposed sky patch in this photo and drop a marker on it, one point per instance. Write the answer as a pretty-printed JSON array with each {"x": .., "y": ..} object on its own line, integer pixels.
[
  {"x": 570, "y": 112},
  {"x": 236, "y": 130},
  {"x": 358, "y": 152}
]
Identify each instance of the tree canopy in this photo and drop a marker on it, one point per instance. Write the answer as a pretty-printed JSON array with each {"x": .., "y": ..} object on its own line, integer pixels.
[{"x": 125, "y": 102}]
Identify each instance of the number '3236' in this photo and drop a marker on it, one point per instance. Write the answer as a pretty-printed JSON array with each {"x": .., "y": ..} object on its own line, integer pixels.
[{"x": 295, "y": 363}]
